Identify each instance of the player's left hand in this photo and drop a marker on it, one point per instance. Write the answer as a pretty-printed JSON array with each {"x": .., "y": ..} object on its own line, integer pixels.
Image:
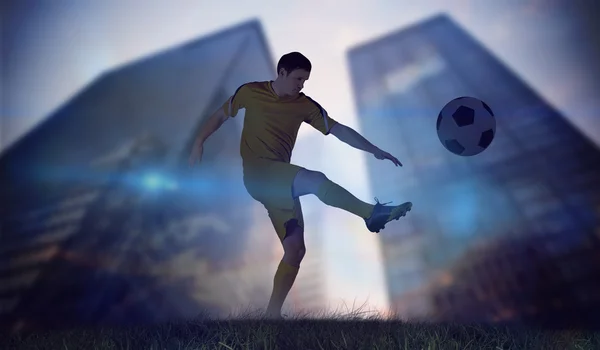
[{"x": 380, "y": 154}]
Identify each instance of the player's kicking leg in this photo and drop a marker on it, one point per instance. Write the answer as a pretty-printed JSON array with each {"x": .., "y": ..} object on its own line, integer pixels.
[{"x": 376, "y": 216}]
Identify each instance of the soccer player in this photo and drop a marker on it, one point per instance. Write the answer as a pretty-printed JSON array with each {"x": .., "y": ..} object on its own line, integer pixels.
[{"x": 274, "y": 112}]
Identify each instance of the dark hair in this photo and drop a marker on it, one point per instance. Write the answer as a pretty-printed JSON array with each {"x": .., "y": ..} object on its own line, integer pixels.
[{"x": 292, "y": 61}]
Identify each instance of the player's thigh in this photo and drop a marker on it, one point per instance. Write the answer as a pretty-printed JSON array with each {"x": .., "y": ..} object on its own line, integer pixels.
[
  {"x": 286, "y": 221},
  {"x": 271, "y": 183}
]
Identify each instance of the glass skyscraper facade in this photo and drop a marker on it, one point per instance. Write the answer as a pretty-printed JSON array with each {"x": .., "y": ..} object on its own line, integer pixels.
[
  {"x": 102, "y": 221},
  {"x": 537, "y": 185}
]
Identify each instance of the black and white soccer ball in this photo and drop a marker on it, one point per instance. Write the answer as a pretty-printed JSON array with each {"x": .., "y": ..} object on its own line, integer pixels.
[{"x": 466, "y": 126}]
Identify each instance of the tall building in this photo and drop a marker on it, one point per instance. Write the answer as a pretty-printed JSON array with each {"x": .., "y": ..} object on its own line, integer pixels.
[
  {"x": 539, "y": 178},
  {"x": 101, "y": 219}
]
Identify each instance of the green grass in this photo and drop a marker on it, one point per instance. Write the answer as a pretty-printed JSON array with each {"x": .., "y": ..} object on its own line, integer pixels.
[{"x": 339, "y": 331}]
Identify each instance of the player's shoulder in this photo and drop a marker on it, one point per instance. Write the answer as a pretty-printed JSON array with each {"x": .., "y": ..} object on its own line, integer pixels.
[
  {"x": 310, "y": 102},
  {"x": 254, "y": 86}
]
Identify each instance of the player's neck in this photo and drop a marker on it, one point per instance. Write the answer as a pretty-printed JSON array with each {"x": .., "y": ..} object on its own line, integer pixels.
[{"x": 275, "y": 86}]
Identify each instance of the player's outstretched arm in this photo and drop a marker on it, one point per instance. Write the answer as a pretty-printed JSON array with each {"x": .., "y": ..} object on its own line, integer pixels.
[
  {"x": 212, "y": 124},
  {"x": 356, "y": 140}
]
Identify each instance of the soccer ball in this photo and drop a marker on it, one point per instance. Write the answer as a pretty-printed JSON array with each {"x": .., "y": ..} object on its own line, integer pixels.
[{"x": 466, "y": 126}]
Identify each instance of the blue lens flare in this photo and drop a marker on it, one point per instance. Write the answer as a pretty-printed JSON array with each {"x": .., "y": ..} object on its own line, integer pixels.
[
  {"x": 152, "y": 181},
  {"x": 156, "y": 182}
]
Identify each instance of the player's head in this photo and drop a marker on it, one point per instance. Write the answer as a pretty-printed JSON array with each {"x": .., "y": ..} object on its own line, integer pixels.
[{"x": 293, "y": 70}]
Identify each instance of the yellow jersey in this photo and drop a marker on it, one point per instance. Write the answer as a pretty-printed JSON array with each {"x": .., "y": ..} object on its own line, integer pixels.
[{"x": 272, "y": 122}]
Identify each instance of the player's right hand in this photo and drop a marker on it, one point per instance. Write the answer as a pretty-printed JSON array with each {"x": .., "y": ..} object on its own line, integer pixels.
[{"x": 196, "y": 154}]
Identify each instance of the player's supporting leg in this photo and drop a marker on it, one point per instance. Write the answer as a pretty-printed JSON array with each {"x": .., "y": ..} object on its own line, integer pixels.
[
  {"x": 332, "y": 194},
  {"x": 294, "y": 250}
]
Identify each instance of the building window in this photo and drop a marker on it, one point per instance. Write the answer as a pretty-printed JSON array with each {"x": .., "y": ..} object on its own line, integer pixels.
[{"x": 403, "y": 79}]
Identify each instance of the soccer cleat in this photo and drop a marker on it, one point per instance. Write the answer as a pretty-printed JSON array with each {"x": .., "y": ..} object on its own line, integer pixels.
[{"x": 382, "y": 214}]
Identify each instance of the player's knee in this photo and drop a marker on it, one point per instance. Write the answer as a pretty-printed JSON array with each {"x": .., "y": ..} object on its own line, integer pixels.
[
  {"x": 316, "y": 178},
  {"x": 308, "y": 182},
  {"x": 293, "y": 244},
  {"x": 294, "y": 254},
  {"x": 297, "y": 249}
]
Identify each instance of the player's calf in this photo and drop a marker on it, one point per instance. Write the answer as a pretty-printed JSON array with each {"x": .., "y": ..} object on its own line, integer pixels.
[
  {"x": 330, "y": 193},
  {"x": 294, "y": 250}
]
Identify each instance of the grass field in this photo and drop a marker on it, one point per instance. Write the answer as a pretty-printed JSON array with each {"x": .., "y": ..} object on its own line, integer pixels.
[{"x": 302, "y": 332}]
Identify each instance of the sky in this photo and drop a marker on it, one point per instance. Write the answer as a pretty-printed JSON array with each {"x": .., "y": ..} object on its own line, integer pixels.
[{"x": 52, "y": 49}]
